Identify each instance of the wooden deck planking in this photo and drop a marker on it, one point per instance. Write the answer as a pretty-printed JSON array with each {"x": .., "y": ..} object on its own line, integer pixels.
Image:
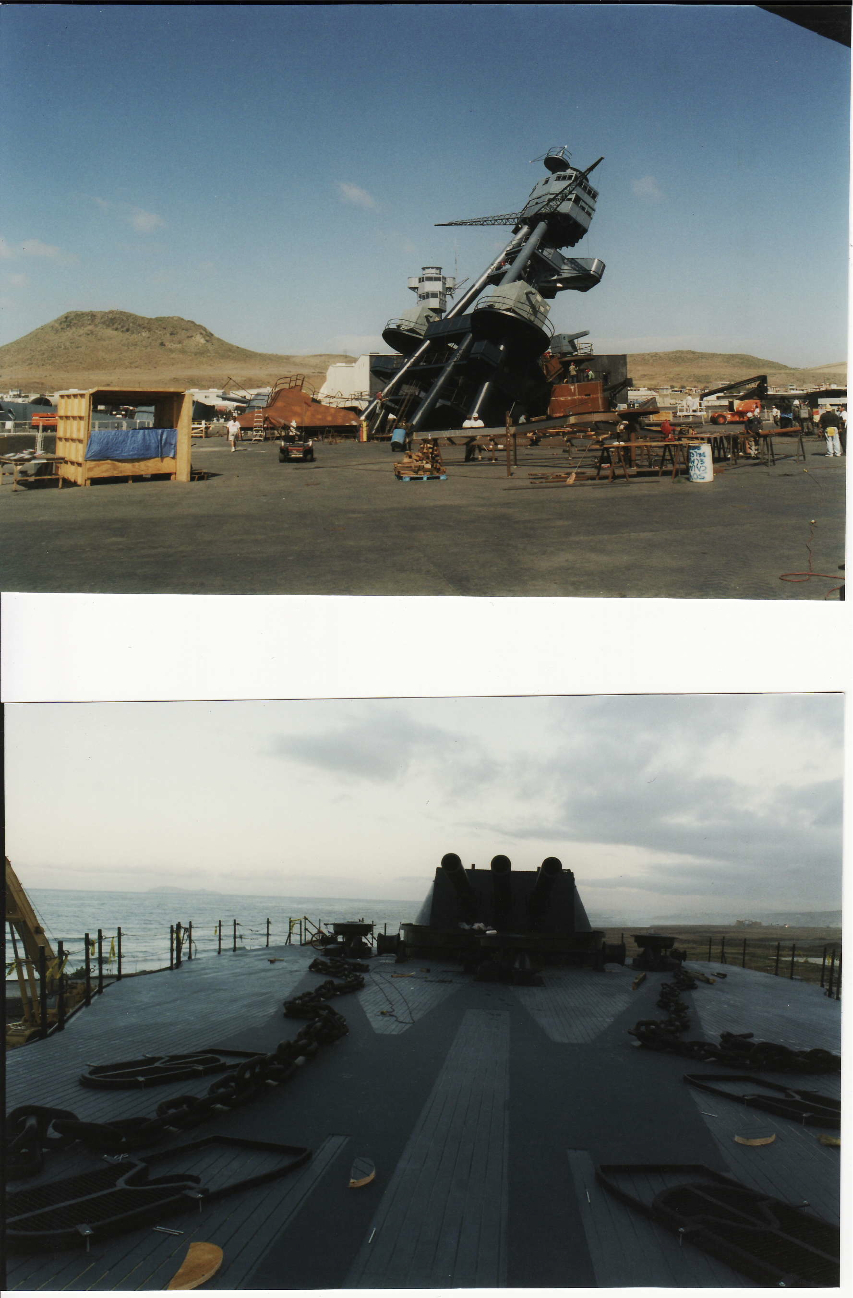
[
  {"x": 393, "y": 1005},
  {"x": 787, "y": 1011},
  {"x": 146, "y": 1259},
  {"x": 627, "y": 1249},
  {"x": 576, "y": 1006},
  {"x": 442, "y": 1219}
]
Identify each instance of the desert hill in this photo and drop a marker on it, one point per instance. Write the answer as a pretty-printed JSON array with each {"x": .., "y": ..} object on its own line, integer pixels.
[
  {"x": 707, "y": 369},
  {"x": 86, "y": 349}
]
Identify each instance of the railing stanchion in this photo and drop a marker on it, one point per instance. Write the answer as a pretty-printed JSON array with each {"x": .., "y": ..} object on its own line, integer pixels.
[
  {"x": 100, "y": 960},
  {"x": 60, "y": 986},
  {"x": 709, "y": 949},
  {"x": 234, "y": 946},
  {"x": 831, "y": 973},
  {"x": 838, "y": 978},
  {"x": 722, "y": 950},
  {"x": 171, "y": 946},
  {"x": 743, "y": 957},
  {"x": 823, "y": 967},
  {"x": 793, "y": 950},
  {"x": 778, "y": 949},
  {"x": 268, "y": 931},
  {"x": 219, "y": 948},
  {"x": 88, "y": 970},
  {"x": 179, "y": 942},
  {"x": 42, "y": 992},
  {"x": 118, "y": 955},
  {"x": 190, "y": 940}
]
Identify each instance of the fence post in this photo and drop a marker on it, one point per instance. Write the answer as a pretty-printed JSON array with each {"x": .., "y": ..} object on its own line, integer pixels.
[
  {"x": 171, "y": 946},
  {"x": 42, "y": 992},
  {"x": 709, "y": 950},
  {"x": 190, "y": 940},
  {"x": 234, "y": 946},
  {"x": 60, "y": 986},
  {"x": 219, "y": 949},
  {"x": 268, "y": 931},
  {"x": 823, "y": 967},
  {"x": 88, "y": 968},
  {"x": 722, "y": 950},
  {"x": 778, "y": 949},
  {"x": 100, "y": 960},
  {"x": 793, "y": 950},
  {"x": 118, "y": 955},
  {"x": 743, "y": 957}
]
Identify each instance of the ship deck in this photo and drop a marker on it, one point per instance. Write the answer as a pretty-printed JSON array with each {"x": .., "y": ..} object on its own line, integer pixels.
[{"x": 484, "y": 1107}]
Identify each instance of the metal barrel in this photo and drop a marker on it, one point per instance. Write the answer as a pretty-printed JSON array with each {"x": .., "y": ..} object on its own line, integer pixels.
[
  {"x": 455, "y": 872},
  {"x": 546, "y": 876},
  {"x": 501, "y": 868}
]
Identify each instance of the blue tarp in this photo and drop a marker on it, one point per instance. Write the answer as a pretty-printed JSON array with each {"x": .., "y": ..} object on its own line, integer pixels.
[{"x": 132, "y": 444}]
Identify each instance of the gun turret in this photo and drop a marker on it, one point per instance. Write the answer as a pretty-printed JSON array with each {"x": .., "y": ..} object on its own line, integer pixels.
[{"x": 501, "y": 867}]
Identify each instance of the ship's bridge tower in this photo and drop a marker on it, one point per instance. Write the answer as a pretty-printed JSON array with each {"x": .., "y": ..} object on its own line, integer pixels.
[{"x": 405, "y": 333}]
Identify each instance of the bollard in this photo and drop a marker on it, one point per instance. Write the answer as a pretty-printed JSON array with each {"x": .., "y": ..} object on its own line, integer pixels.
[
  {"x": 171, "y": 946},
  {"x": 60, "y": 987},
  {"x": 190, "y": 940},
  {"x": 42, "y": 992},
  {"x": 118, "y": 954},
  {"x": 268, "y": 931},
  {"x": 100, "y": 961},
  {"x": 793, "y": 949},
  {"x": 743, "y": 957},
  {"x": 88, "y": 995},
  {"x": 234, "y": 946},
  {"x": 778, "y": 949},
  {"x": 219, "y": 948},
  {"x": 823, "y": 967}
]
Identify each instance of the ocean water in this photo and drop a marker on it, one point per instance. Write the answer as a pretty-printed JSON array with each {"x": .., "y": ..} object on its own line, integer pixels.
[{"x": 145, "y": 917}]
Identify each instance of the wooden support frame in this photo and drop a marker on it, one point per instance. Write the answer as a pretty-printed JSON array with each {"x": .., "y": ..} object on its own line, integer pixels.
[{"x": 172, "y": 409}]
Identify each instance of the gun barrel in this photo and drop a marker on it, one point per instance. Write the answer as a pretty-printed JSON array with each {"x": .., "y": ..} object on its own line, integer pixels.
[
  {"x": 465, "y": 896},
  {"x": 501, "y": 868},
  {"x": 547, "y": 875}
]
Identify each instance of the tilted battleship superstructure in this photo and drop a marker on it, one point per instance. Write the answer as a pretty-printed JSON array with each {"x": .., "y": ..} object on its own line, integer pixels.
[{"x": 481, "y": 358}]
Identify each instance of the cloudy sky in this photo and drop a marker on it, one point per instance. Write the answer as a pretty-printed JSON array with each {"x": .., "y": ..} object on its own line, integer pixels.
[
  {"x": 662, "y": 805},
  {"x": 275, "y": 172}
]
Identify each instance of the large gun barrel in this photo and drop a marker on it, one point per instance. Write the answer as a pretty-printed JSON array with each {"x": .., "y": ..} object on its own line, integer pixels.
[
  {"x": 546, "y": 876},
  {"x": 501, "y": 867},
  {"x": 465, "y": 896}
]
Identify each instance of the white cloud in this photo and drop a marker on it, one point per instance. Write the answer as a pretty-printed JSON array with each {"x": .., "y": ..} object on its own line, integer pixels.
[
  {"x": 647, "y": 187},
  {"x": 354, "y": 194},
  {"x": 5, "y": 250},
  {"x": 146, "y": 222},
  {"x": 19, "y": 280}
]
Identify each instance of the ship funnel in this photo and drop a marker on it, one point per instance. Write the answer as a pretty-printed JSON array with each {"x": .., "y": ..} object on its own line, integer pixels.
[
  {"x": 546, "y": 876},
  {"x": 455, "y": 872},
  {"x": 501, "y": 891}
]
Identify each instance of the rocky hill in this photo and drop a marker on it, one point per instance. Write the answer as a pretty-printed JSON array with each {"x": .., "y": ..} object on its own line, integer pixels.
[
  {"x": 87, "y": 349},
  {"x": 708, "y": 369}
]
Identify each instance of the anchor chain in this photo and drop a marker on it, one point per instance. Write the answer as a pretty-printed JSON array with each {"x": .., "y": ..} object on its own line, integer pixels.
[
  {"x": 736, "y": 1049},
  {"x": 32, "y": 1129}
]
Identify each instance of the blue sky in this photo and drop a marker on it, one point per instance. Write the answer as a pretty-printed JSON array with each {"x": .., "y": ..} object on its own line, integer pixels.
[{"x": 275, "y": 172}]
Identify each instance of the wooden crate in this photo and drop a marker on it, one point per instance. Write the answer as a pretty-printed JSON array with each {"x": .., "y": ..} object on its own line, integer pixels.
[{"x": 172, "y": 409}]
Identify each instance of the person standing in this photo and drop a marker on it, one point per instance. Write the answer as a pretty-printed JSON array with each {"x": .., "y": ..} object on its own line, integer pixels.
[
  {"x": 472, "y": 445},
  {"x": 842, "y": 429},
  {"x": 829, "y": 422},
  {"x": 234, "y": 432}
]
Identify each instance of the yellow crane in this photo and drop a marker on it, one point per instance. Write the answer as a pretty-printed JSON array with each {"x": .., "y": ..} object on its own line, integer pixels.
[{"x": 28, "y": 939}]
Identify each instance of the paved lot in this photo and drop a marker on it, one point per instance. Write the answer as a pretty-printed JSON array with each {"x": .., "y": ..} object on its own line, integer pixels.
[{"x": 343, "y": 525}]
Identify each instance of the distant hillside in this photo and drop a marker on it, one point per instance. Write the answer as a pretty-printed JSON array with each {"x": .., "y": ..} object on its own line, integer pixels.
[
  {"x": 86, "y": 349},
  {"x": 707, "y": 369}
]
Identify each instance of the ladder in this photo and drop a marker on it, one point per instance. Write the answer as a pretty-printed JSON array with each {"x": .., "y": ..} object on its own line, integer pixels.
[{"x": 258, "y": 431}]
